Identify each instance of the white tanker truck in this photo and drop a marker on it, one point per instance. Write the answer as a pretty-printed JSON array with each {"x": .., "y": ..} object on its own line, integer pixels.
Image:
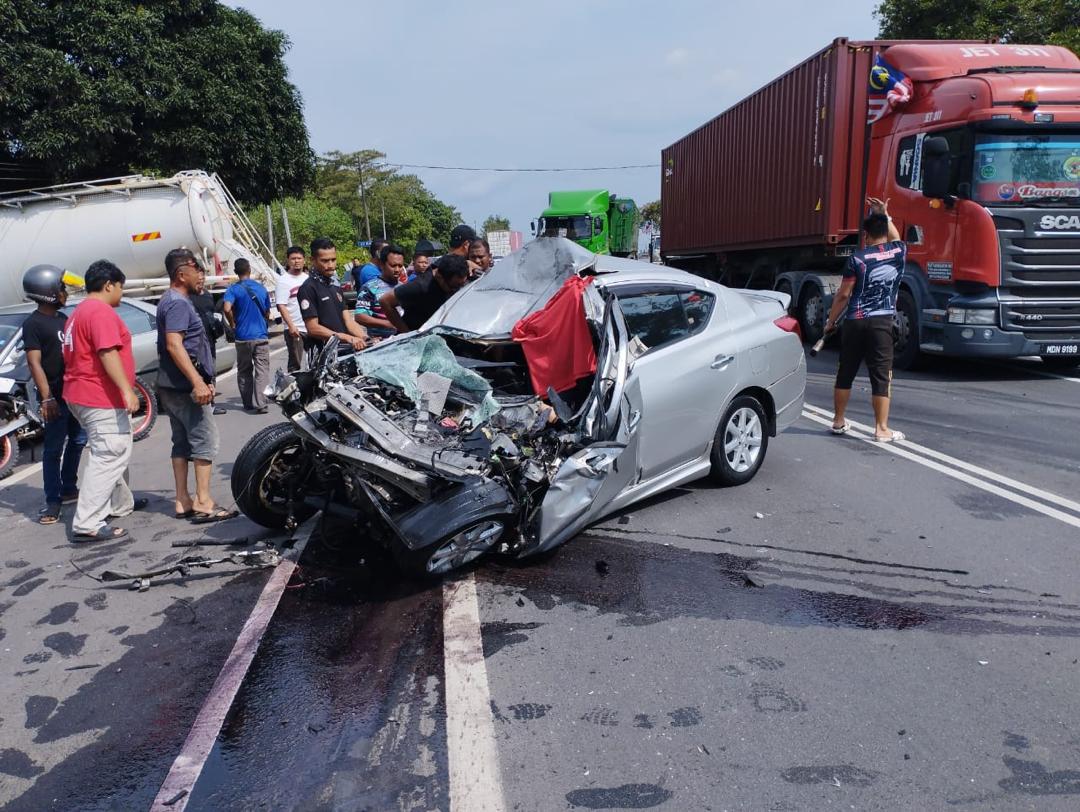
[{"x": 134, "y": 222}]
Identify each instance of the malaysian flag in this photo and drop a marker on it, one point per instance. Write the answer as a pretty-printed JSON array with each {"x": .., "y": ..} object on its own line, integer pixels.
[{"x": 889, "y": 88}]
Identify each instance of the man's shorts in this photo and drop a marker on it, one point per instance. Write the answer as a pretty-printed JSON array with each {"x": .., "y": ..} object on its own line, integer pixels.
[
  {"x": 194, "y": 432},
  {"x": 870, "y": 341}
]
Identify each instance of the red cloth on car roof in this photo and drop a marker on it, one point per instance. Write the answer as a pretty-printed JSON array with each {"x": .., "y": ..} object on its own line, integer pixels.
[{"x": 556, "y": 340}]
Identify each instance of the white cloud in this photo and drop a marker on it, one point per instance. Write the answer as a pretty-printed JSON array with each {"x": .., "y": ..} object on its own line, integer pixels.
[{"x": 677, "y": 56}]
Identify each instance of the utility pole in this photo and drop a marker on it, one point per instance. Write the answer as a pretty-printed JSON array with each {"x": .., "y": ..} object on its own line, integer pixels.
[
  {"x": 383, "y": 206},
  {"x": 363, "y": 198},
  {"x": 285, "y": 222},
  {"x": 270, "y": 231}
]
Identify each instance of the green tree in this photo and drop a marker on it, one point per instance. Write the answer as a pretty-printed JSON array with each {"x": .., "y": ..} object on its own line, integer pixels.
[
  {"x": 309, "y": 217},
  {"x": 496, "y": 222},
  {"x": 94, "y": 88},
  {"x": 411, "y": 210},
  {"x": 1035, "y": 22},
  {"x": 650, "y": 215}
]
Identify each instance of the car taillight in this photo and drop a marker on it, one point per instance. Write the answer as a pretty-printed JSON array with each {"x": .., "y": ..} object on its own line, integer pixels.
[{"x": 789, "y": 324}]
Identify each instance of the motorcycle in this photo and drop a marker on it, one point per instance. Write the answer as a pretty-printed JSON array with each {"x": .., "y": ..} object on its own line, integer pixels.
[{"x": 21, "y": 420}]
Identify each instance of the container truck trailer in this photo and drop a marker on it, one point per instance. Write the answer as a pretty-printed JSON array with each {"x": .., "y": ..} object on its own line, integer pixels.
[{"x": 981, "y": 165}]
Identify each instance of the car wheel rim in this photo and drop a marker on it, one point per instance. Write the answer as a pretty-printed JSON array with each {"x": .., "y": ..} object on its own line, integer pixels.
[
  {"x": 6, "y": 450},
  {"x": 273, "y": 487},
  {"x": 742, "y": 440},
  {"x": 463, "y": 547}
]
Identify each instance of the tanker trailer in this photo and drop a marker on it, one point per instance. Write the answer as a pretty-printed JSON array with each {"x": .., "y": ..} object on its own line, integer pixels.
[{"x": 134, "y": 222}]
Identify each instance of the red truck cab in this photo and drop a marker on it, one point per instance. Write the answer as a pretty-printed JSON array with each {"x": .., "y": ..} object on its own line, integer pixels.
[{"x": 982, "y": 170}]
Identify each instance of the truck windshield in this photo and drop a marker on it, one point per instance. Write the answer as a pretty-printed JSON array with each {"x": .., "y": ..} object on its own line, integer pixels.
[
  {"x": 1020, "y": 168},
  {"x": 578, "y": 227}
]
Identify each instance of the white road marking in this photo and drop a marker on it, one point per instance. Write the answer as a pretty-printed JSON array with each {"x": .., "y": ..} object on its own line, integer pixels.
[
  {"x": 475, "y": 781},
  {"x": 30, "y": 470},
  {"x": 895, "y": 448},
  {"x": 993, "y": 476},
  {"x": 200, "y": 741},
  {"x": 1044, "y": 372}
]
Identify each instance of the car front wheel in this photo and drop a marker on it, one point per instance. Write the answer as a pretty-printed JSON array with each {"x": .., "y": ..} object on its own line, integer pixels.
[
  {"x": 264, "y": 476},
  {"x": 741, "y": 442}
]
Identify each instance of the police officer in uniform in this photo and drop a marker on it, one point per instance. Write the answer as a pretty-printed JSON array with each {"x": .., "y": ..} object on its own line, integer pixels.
[{"x": 322, "y": 305}]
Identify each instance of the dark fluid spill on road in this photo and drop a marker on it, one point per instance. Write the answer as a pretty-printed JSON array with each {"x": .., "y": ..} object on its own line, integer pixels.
[
  {"x": 344, "y": 702},
  {"x": 141, "y": 706},
  {"x": 649, "y": 583}
]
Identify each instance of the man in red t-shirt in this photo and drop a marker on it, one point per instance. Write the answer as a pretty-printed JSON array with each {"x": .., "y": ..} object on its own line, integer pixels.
[{"x": 99, "y": 372}]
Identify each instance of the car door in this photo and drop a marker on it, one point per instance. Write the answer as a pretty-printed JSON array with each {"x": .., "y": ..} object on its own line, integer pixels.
[
  {"x": 588, "y": 480},
  {"x": 143, "y": 328},
  {"x": 687, "y": 372}
]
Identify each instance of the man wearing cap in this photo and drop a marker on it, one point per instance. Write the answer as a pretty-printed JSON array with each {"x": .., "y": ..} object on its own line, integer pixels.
[
  {"x": 461, "y": 239},
  {"x": 420, "y": 298}
]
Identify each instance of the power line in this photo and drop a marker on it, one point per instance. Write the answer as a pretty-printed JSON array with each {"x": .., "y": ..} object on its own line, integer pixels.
[{"x": 528, "y": 169}]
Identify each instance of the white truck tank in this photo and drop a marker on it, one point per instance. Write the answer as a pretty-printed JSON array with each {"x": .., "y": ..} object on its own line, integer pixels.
[{"x": 134, "y": 222}]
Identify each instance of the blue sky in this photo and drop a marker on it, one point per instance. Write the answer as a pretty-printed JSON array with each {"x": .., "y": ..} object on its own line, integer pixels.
[{"x": 562, "y": 83}]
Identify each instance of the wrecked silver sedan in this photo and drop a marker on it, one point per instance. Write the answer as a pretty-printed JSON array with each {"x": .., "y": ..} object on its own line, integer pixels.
[{"x": 560, "y": 387}]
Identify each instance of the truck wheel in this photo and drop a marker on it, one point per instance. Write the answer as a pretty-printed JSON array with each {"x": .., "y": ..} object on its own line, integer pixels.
[
  {"x": 142, "y": 421},
  {"x": 741, "y": 442},
  {"x": 9, "y": 454},
  {"x": 261, "y": 475},
  {"x": 906, "y": 353},
  {"x": 811, "y": 313}
]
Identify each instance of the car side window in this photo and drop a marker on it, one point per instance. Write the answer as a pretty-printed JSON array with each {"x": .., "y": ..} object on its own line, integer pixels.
[
  {"x": 137, "y": 321},
  {"x": 654, "y": 318},
  {"x": 698, "y": 306}
]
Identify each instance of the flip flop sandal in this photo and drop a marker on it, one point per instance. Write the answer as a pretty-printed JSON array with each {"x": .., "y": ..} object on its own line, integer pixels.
[
  {"x": 218, "y": 515},
  {"x": 103, "y": 533},
  {"x": 844, "y": 429},
  {"x": 187, "y": 514},
  {"x": 896, "y": 435},
  {"x": 50, "y": 514}
]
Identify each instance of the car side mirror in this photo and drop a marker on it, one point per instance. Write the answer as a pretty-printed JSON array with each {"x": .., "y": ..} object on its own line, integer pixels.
[{"x": 936, "y": 168}]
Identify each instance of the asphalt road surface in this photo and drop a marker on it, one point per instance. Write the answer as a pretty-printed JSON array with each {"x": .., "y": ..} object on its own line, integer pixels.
[{"x": 860, "y": 627}]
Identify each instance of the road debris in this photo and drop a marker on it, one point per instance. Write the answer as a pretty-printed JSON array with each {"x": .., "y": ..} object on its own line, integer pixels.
[{"x": 142, "y": 581}]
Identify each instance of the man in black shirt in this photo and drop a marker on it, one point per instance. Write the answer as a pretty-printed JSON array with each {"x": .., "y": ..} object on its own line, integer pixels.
[
  {"x": 64, "y": 437},
  {"x": 420, "y": 298},
  {"x": 322, "y": 304}
]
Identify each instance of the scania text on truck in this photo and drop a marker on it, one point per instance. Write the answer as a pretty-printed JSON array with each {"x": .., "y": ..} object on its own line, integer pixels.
[
  {"x": 979, "y": 157},
  {"x": 595, "y": 218}
]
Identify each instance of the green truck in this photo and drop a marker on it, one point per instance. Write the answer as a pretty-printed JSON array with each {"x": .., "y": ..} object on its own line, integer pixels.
[{"x": 596, "y": 218}]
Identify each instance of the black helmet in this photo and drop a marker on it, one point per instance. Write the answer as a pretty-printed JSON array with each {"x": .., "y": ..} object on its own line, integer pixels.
[{"x": 44, "y": 284}]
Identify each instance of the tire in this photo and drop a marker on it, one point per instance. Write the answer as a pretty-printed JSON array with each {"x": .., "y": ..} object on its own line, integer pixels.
[
  {"x": 9, "y": 454},
  {"x": 811, "y": 313},
  {"x": 142, "y": 422},
  {"x": 745, "y": 428},
  {"x": 906, "y": 354},
  {"x": 260, "y": 473},
  {"x": 1060, "y": 363},
  {"x": 440, "y": 558}
]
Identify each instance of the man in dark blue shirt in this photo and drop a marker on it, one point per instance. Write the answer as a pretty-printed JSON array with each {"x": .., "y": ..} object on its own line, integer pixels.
[
  {"x": 247, "y": 307},
  {"x": 867, "y": 300}
]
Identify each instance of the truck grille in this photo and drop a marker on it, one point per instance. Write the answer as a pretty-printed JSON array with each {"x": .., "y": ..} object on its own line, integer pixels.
[
  {"x": 1042, "y": 319},
  {"x": 1038, "y": 261}
]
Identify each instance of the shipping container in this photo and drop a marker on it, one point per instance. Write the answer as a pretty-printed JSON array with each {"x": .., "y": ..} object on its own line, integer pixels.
[{"x": 782, "y": 167}]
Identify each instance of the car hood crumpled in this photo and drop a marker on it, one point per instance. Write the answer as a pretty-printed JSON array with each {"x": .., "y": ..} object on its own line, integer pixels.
[{"x": 516, "y": 286}]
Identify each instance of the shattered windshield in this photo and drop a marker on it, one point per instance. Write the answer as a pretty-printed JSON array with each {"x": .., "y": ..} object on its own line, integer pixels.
[
  {"x": 1018, "y": 168},
  {"x": 578, "y": 227},
  {"x": 518, "y": 285}
]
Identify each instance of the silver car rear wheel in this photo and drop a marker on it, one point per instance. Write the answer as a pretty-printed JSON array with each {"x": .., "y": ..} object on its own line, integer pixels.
[{"x": 741, "y": 441}]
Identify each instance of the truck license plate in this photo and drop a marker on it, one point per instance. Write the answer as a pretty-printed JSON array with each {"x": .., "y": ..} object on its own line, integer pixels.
[{"x": 1060, "y": 349}]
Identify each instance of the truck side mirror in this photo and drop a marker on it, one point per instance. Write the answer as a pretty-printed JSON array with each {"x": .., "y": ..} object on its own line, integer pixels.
[
  {"x": 936, "y": 168},
  {"x": 598, "y": 225},
  {"x": 532, "y": 227}
]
